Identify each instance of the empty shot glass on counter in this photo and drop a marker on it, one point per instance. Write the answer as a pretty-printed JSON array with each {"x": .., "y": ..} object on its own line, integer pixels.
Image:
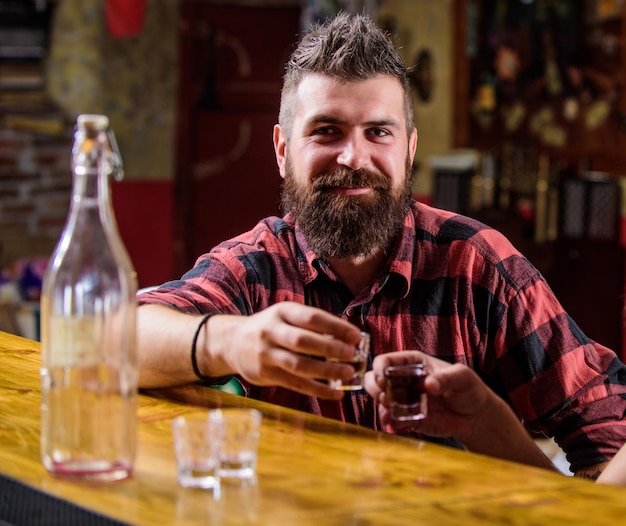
[
  {"x": 359, "y": 362},
  {"x": 240, "y": 430},
  {"x": 404, "y": 388},
  {"x": 196, "y": 446}
]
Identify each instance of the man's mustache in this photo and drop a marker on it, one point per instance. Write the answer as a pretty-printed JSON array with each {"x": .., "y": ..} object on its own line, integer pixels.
[{"x": 346, "y": 178}]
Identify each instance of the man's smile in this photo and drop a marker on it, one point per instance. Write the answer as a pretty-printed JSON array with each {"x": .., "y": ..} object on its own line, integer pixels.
[{"x": 342, "y": 190}]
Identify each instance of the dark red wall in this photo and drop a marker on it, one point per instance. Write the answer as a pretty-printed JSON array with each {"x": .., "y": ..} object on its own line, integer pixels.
[{"x": 144, "y": 213}]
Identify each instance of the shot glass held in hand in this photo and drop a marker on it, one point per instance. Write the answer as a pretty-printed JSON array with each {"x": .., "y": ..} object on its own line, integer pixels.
[
  {"x": 196, "y": 445},
  {"x": 404, "y": 388},
  {"x": 359, "y": 362}
]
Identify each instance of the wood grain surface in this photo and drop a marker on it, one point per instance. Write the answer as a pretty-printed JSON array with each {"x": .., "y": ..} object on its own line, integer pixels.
[{"x": 311, "y": 470}]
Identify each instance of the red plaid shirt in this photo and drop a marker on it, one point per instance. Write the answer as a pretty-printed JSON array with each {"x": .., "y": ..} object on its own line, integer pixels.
[{"x": 453, "y": 288}]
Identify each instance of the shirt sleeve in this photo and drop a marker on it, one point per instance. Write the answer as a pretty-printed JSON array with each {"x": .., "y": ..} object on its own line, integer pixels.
[
  {"x": 214, "y": 284},
  {"x": 559, "y": 381}
]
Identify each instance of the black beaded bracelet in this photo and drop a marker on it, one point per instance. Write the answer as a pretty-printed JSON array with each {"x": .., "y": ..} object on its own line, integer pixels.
[{"x": 194, "y": 361}]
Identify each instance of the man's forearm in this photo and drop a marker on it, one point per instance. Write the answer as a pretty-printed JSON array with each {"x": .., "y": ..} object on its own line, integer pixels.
[
  {"x": 499, "y": 433},
  {"x": 612, "y": 472},
  {"x": 164, "y": 338}
]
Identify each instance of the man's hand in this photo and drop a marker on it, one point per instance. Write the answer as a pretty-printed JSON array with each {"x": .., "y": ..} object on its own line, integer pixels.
[
  {"x": 462, "y": 406},
  {"x": 457, "y": 397},
  {"x": 285, "y": 345}
]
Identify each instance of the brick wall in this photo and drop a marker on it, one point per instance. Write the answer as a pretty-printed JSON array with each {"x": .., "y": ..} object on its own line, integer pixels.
[
  {"x": 35, "y": 189},
  {"x": 35, "y": 186}
]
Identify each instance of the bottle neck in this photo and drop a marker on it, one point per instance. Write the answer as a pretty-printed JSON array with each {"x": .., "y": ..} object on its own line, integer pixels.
[
  {"x": 91, "y": 166},
  {"x": 90, "y": 187}
]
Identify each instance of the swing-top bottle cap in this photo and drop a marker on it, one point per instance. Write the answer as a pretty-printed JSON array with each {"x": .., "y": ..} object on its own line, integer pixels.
[{"x": 92, "y": 120}]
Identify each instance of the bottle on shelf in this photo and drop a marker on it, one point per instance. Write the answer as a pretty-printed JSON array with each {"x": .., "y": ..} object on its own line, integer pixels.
[{"x": 88, "y": 325}]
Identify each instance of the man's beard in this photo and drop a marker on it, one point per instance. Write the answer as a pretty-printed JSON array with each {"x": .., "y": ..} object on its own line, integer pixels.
[{"x": 344, "y": 226}]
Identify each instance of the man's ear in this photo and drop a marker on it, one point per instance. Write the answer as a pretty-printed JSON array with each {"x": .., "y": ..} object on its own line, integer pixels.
[
  {"x": 413, "y": 144},
  {"x": 280, "y": 149}
]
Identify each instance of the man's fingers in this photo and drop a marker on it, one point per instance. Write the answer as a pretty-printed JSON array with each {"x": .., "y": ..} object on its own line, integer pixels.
[
  {"x": 312, "y": 343},
  {"x": 398, "y": 358},
  {"x": 318, "y": 321},
  {"x": 304, "y": 385},
  {"x": 300, "y": 365},
  {"x": 456, "y": 378}
]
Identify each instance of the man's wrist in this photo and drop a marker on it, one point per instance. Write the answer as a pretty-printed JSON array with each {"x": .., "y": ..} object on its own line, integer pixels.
[
  {"x": 194, "y": 349},
  {"x": 494, "y": 427}
]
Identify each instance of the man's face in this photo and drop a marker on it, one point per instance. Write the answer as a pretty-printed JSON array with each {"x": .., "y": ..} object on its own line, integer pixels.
[{"x": 347, "y": 164}]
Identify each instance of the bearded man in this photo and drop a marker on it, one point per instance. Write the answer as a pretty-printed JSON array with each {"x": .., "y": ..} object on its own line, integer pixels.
[{"x": 281, "y": 306}]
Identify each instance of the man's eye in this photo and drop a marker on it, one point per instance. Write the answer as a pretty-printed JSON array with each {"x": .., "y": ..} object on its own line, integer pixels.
[
  {"x": 326, "y": 130},
  {"x": 378, "y": 132}
]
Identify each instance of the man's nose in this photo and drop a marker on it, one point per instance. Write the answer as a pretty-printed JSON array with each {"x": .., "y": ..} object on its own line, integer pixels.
[{"x": 354, "y": 153}]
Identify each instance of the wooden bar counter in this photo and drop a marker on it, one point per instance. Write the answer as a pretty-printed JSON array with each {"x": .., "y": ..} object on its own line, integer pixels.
[{"x": 311, "y": 471}]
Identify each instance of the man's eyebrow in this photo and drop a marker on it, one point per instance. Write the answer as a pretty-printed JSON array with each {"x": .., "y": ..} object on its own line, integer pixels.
[
  {"x": 383, "y": 122},
  {"x": 332, "y": 119}
]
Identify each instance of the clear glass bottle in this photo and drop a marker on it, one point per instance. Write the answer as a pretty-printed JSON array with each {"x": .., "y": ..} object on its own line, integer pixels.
[{"x": 88, "y": 325}]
